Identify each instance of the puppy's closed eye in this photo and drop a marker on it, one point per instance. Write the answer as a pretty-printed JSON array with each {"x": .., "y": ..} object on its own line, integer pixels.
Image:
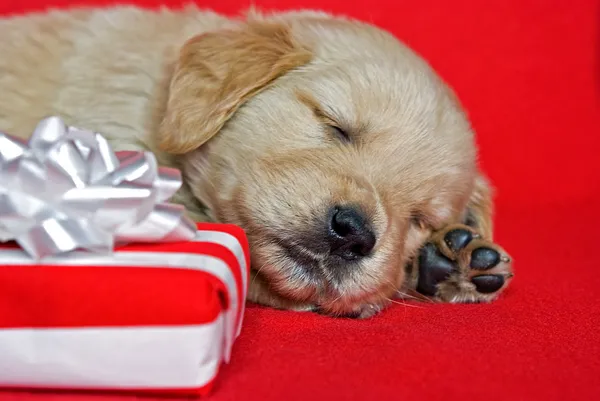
[
  {"x": 338, "y": 133},
  {"x": 330, "y": 125}
]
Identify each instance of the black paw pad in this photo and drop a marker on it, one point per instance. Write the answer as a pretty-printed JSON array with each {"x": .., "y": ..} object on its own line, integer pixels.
[
  {"x": 488, "y": 283},
  {"x": 433, "y": 268},
  {"x": 457, "y": 239},
  {"x": 484, "y": 258}
]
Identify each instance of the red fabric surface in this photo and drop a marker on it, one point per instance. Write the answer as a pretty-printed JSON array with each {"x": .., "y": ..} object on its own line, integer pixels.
[{"x": 529, "y": 73}]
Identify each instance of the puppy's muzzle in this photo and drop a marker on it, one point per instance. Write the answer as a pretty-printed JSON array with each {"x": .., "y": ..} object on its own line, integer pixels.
[{"x": 350, "y": 235}]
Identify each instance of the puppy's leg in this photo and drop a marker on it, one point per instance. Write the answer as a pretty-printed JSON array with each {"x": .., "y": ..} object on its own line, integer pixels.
[{"x": 461, "y": 263}]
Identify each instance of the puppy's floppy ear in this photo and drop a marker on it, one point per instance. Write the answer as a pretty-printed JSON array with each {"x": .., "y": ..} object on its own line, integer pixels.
[
  {"x": 217, "y": 72},
  {"x": 480, "y": 209}
]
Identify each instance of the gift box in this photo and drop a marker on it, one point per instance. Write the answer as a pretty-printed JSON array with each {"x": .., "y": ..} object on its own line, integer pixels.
[
  {"x": 151, "y": 317},
  {"x": 103, "y": 285}
]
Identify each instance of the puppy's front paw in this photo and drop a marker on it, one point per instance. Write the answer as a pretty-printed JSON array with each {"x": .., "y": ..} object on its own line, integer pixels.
[{"x": 456, "y": 265}]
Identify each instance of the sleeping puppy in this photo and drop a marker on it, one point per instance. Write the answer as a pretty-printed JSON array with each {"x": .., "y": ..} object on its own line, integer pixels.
[{"x": 349, "y": 163}]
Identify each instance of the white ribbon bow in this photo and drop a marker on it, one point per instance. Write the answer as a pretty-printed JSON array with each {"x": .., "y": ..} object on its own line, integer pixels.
[{"x": 66, "y": 189}]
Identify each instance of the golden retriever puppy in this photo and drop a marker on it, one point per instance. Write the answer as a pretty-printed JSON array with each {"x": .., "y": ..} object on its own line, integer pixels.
[{"x": 346, "y": 159}]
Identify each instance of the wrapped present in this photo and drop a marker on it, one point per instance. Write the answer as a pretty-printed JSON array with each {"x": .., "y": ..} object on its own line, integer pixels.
[{"x": 104, "y": 285}]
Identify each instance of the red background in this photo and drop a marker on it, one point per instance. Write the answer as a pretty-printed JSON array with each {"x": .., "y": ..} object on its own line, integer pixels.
[{"x": 529, "y": 74}]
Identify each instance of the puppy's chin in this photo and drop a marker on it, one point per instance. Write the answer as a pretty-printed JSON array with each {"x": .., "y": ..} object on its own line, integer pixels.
[{"x": 306, "y": 282}]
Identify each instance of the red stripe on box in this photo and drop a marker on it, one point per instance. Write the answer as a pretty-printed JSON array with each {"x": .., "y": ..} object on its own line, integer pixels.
[{"x": 104, "y": 296}]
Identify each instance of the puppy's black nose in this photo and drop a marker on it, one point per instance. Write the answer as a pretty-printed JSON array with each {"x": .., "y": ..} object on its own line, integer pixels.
[{"x": 350, "y": 235}]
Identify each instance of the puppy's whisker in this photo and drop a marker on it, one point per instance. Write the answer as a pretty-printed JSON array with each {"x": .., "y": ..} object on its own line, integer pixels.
[
  {"x": 397, "y": 302},
  {"x": 256, "y": 274},
  {"x": 334, "y": 300},
  {"x": 416, "y": 298}
]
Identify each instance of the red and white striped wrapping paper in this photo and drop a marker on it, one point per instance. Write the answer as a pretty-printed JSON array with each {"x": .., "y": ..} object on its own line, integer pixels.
[{"x": 148, "y": 318}]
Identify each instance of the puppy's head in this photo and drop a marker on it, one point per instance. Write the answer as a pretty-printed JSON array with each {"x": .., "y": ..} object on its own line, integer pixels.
[{"x": 335, "y": 147}]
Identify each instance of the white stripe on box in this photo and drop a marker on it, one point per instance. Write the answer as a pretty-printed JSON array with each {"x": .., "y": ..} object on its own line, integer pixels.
[{"x": 112, "y": 358}]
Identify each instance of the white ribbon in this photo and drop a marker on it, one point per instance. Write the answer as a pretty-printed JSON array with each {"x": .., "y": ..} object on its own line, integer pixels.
[{"x": 66, "y": 189}]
